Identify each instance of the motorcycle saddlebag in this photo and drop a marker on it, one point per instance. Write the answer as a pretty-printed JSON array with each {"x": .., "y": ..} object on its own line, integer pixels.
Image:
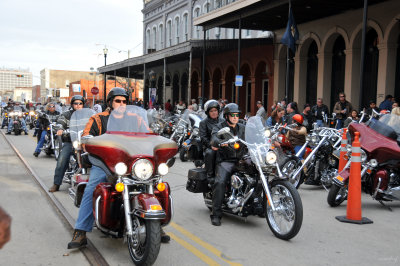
[{"x": 197, "y": 180}]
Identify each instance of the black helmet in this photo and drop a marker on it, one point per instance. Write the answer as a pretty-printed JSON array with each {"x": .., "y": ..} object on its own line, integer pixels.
[
  {"x": 116, "y": 92},
  {"x": 77, "y": 98},
  {"x": 231, "y": 108},
  {"x": 211, "y": 104}
]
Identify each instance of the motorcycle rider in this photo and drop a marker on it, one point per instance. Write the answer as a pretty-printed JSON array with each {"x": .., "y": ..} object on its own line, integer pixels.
[
  {"x": 206, "y": 127},
  {"x": 23, "y": 124},
  {"x": 227, "y": 157},
  {"x": 297, "y": 135},
  {"x": 43, "y": 124},
  {"x": 77, "y": 102},
  {"x": 97, "y": 125}
]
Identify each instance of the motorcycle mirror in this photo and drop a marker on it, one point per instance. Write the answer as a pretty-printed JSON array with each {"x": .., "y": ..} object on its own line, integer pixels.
[
  {"x": 223, "y": 131},
  {"x": 171, "y": 162}
]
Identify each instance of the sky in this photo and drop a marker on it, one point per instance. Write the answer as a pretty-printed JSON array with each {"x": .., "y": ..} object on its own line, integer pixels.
[{"x": 68, "y": 34}]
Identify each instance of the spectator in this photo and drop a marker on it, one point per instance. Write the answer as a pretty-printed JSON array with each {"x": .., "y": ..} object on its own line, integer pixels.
[
  {"x": 372, "y": 106},
  {"x": 168, "y": 106},
  {"x": 97, "y": 107},
  {"x": 307, "y": 117},
  {"x": 394, "y": 105},
  {"x": 181, "y": 106},
  {"x": 274, "y": 105},
  {"x": 283, "y": 104},
  {"x": 261, "y": 111},
  {"x": 319, "y": 111},
  {"x": 342, "y": 109},
  {"x": 195, "y": 106},
  {"x": 291, "y": 110},
  {"x": 352, "y": 118},
  {"x": 387, "y": 103},
  {"x": 276, "y": 117}
]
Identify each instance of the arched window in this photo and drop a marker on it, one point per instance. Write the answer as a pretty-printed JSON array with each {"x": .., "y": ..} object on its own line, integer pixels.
[
  {"x": 185, "y": 27},
  {"x": 160, "y": 33},
  {"x": 177, "y": 30},
  {"x": 196, "y": 29},
  {"x": 206, "y": 7},
  {"x": 147, "y": 40},
  {"x": 154, "y": 46},
  {"x": 169, "y": 33}
]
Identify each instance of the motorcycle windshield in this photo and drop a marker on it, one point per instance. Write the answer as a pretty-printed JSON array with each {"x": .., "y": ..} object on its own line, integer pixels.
[
  {"x": 258, "y": 140},
  {"x": 59, "y": 108},
  {"x": 17, "y": 109},
  {"x": 195, "y": 119},
  {"x": 128, "y": 119},
  {"x": 393, "y": 121},
  {"x": 78, "y": 122},
  {"x": 185, "y": 115}
]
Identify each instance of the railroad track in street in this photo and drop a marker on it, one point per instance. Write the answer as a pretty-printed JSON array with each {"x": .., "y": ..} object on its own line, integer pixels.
[{"x": 91, "y": 253}]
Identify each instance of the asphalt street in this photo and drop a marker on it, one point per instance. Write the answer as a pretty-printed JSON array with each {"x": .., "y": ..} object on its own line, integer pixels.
[{"x": 39, "y": 236}]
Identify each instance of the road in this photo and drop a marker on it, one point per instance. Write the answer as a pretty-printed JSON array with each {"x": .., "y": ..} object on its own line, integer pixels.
[{"x": 322, "y": 240}]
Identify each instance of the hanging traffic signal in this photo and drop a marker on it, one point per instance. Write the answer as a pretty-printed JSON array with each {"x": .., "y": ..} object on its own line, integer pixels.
[{"x": 20, "y": 76}]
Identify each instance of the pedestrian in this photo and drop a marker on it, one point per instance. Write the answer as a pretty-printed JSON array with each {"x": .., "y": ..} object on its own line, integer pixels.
[
  {"x": 77, "y": 102},
  {"x": 44, "y": 120},
  {"x": 97, "y": 107},
  {"x": 195, "y": 106},
  {"x": 387, "y": 103},
  {"x": 297, "y": 135},
  {"x": 276, "y": 117},
  {"x": 168, "y": 106},
  {"x": 291, "y": 110},
  {"x": 394, "y": 105},
  {"x": 372, "y": 107},
  {"x": 261, "y": 112},
  {"x": 308, "y": 118},
  {"x": 181, "y": 106},
  {"x": 274, "y": 106},
  {"x": 352, "y": 118},
  {"x": 319, "y": 111},
  {"x": 342, "y": 109}
]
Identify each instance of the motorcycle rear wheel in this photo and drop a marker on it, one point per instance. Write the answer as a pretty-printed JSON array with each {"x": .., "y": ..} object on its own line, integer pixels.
[
  {"x": 285, "y": 222},
  {"x": 336, "y": 195},
  {"x": 144, "y": 248}
]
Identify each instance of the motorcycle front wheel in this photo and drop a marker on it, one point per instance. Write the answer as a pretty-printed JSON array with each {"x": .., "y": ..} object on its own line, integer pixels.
[
  {"x": 144, "y": 245},
  {"x": 183, "y": 155},
  {"x": 336, "y": 195},
  {"x": 57, "y": 147},
  {"x": 285, "y": 222}
]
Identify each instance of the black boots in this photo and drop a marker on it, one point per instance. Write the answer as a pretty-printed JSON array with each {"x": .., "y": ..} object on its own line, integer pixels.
[
  {"x": 164, "y": 237},
  {"x": 215, "y": 220},
  {"x": 78, "y": 239},
  {"x": 36, "y": 154}
]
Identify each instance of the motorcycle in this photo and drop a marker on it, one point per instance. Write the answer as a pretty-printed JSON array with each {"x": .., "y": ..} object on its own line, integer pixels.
[
  {"x": 181, "y": 128},
  {"x": 31, "y": 118},
  {"x": 77, "y": 174},
  {"x": 192, "y": 147},
  {"x": 380, "y": 162},
  {"x": 52, "y": 142},
  {"x": 258, "y": 186},
  {"x": 16, "y": 115},
  {"x": 135, "y": 203}
]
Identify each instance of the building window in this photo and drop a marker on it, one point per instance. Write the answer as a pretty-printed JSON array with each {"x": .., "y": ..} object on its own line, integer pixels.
[
  {"x": 154, "y": 37},
  {"x": 185, "y": 27},
  {"x": 169, "y": 33},
  {"x": 196, "y": 33},
  {"x": 177, "y": 29},
  {"x": 206, "y": 8},
  {"x": 217, "y": 33},
  {"x": 147, "y": 40},
  {"x": 248, "y": 33},
  {"x": 160, "y": 30}
]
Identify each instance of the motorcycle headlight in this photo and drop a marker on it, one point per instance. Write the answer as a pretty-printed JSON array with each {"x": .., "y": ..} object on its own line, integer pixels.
[
  {"x": 267, "y": 133},
  {"x": 142, "y": 169},
  {"x": 373, "y": 163},
  {"x": 271, "y": 157},
  {"x": 31, "y": 113},
  {"x": 363, "y": 156},
  {"x": 75, "y": 144},
  {"x": 121, "y": 168},
  {"x": 163, "y": 169}
]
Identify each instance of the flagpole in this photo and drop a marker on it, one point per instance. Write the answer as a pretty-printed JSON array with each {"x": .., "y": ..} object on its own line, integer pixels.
[{"x": 287, "y": 65}]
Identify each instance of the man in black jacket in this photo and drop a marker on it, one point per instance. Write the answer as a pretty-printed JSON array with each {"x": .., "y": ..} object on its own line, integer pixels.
[
  {"x": 51, "y": 115},
  {"x": 227, "y": 157},
  {"x": 206, "y": 127},
  {"x": 77, "y": 103},
  {"x": 319, "y": 111}
]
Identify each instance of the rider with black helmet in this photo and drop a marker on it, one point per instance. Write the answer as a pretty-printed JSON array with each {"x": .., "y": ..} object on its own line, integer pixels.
[
  {"x": 227, "y": 157},
  {"x": 206, "y": 127},
  {"x": 77, "y": 102}
]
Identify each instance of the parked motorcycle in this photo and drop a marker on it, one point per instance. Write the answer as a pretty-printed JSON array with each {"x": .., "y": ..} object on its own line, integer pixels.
[
  {"x": 181, "y": 129},
  {"x": 380, "y": 162},
  {"x": 135, "y": 203},
  {"x": 192, "y": 147},
  {"x": 257, "y": 187},
  {"x": 77, "y": 174}
]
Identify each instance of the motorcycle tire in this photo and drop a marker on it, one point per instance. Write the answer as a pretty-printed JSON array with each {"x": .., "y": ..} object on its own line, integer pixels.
[
  {"x": 57, "y": 147},
  {"x": 145, "y": 252},
  {"x": 17, "y": 132},
  {"x": 183, "y": 155},
  {"x": 290, "y": 164},
  {"x": 289, "y": 208},
  {"x": 336, "y": 195}
]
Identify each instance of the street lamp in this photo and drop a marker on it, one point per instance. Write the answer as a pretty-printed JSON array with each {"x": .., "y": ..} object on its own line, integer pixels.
[{"x": 105, "y": 51}]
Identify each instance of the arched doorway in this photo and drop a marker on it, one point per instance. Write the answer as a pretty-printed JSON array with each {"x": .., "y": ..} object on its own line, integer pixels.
[
  {"x": 175, "y": 89},
  {"x": 262, "y": 84},
  {"x": 206, "y": 86},
  {"x": 217, "y": 86},
  {"x": 229, "y": 83},
  {"x": 338, "y": 70},
  {"x": 160, "y": 90},
  {"x": 370, "y": 68},
  {"x": 184, "y": 87},
  {"x": 312, "y": 73}
]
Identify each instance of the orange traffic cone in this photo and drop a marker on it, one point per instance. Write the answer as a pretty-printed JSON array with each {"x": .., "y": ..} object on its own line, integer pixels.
[
  {"x": 343, "y": 151},
  {"x": 353, "y": 214}
]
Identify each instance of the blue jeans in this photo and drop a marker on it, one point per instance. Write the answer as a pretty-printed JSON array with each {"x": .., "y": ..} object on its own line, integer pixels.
[
  {"x": 85, "y": 218},
  {"x": 297, "y": 148},
  {"x": 339, "y": 124},
  {"x": 11, "y": 123},
  {"x": 41, "y": 142},
  {"x": 62, "y": 163},
  {"x": 320, "y": 123}
]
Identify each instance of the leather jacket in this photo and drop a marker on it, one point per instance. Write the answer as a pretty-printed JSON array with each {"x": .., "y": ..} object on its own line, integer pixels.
[
  {"x": 228, "y": 153},
  {"x": 205, "y": 129},
  {"x": 63, "y": 123},
  {"x": 44, "y": 122}
]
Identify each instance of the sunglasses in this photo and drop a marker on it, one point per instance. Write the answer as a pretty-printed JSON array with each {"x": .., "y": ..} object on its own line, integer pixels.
[
  {"x": 51, "y": 106},
  {"x": 78, "y": 103},
  {"x": 120, "y": 101},
  {"x": 234, "y": 115}
]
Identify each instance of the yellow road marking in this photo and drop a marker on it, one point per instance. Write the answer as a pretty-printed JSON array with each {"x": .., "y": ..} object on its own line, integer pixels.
[
  {"x": 202, "y": 243},
  {"x": 194, "y": 250}
]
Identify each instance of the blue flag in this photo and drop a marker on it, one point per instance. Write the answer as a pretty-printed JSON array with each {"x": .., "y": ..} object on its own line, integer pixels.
[{"x": 291, "y": 34}]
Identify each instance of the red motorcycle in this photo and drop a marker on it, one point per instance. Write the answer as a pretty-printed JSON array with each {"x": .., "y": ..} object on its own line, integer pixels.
[
  {"x": 380, "y": 162},
  {"x": 135, "y": 203}
]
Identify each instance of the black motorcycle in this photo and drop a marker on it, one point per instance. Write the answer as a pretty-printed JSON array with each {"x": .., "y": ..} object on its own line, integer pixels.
[{"x": 257, "y": 187}]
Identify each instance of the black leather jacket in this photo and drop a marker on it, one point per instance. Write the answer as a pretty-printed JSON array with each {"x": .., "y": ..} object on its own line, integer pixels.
[
  {"x": 44, "y": 122},
  {"x": 63, "y": 123},
  {"x": 205, "y": 129},
  {"x": 228, "y": 153}
]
